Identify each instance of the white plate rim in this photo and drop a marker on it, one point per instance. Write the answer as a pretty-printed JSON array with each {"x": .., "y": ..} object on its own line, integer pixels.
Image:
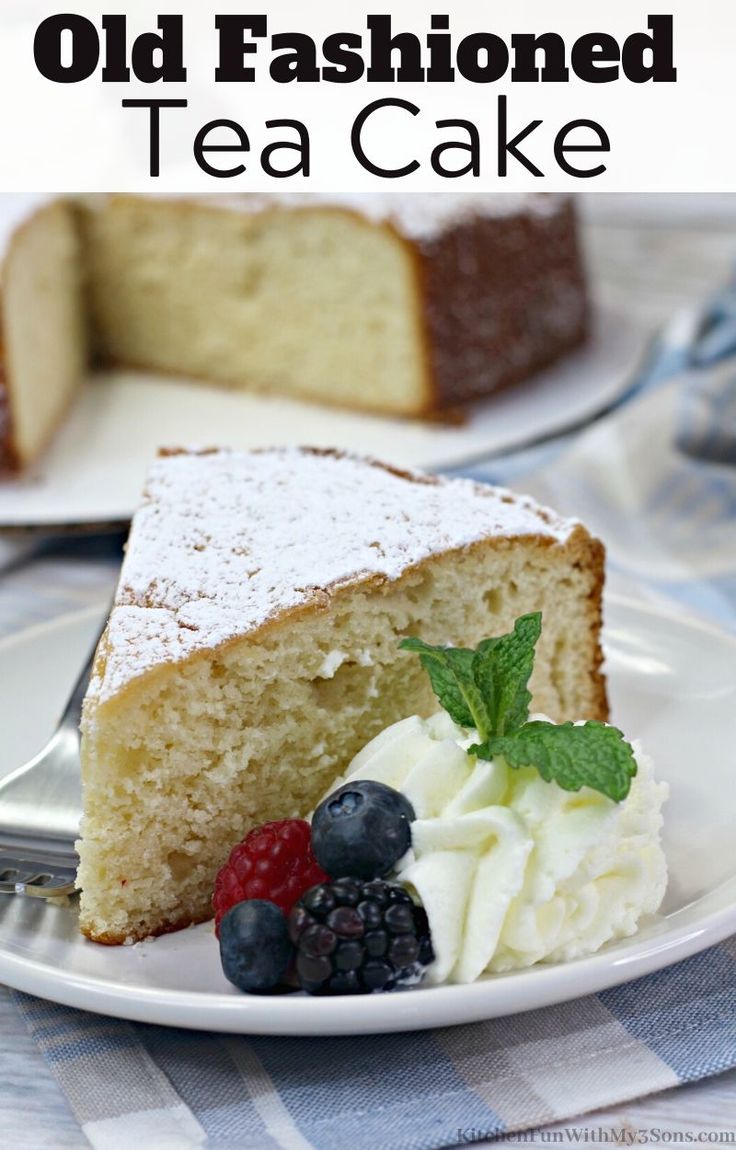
[{"x": 295, "y": 1016}]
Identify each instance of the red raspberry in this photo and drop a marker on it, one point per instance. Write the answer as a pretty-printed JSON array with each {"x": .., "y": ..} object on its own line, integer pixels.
[{"x": 274, "y": 861}]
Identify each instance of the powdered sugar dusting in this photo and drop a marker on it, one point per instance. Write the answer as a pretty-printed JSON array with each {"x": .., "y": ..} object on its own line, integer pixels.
[
  {"x": 227, "y": 541},
  {"x": 417, "y": 215},
  {"x": 424, "y": 215}
]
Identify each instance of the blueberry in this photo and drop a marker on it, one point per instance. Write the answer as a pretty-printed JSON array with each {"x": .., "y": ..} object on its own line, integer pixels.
[
  {"x": 255, "y": 948},
  {"x": 362, "y": 829}
]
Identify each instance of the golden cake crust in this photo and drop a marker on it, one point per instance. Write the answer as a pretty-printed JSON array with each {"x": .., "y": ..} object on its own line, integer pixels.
[{"x": 195, "y": 579}]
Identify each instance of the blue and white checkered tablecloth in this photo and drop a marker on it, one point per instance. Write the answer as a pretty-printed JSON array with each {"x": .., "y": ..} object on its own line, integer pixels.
[{"x": 657, "y": 480}]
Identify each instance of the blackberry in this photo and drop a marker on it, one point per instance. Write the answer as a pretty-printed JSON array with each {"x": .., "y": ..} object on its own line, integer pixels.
[
  {"x": 362, "y": 829},
  {"x": 356, "y": 937}
]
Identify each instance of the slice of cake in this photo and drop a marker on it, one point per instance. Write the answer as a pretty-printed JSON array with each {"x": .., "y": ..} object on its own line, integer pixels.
[
  {"x": 403, "y": 304},
  {"x": 253, "y": 650}
]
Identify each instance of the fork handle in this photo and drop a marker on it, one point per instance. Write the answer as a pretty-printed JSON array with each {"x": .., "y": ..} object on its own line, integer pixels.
[{"x": 40, "y": 802}]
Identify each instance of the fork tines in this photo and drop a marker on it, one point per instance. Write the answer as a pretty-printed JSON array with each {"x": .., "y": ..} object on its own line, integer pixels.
[{"x": 40, "y": 879}]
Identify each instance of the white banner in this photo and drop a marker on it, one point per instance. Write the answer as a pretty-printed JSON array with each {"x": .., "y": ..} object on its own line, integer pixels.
[{"x": 323, "y": 96}]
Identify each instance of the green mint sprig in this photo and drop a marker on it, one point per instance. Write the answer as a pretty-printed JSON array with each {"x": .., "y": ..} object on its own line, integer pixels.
[{"x": 487, "y": 690}]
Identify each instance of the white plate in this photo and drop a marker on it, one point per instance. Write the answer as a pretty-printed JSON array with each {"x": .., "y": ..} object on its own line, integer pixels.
[
  {"x": 94, "y": 470},
  {"x": 673, "y": 685}
]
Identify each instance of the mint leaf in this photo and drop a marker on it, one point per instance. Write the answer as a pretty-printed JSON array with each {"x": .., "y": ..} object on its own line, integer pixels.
[
  {"x": 450, "y": 671},
  {"x": 488, "y": 689},
  {"x": 502, "y": 668},
  {"x": 591, "y": 755}
]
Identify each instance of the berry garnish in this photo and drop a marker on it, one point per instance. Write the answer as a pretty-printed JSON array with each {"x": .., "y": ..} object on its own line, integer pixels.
[
  {"x": 355, "y": 937},
  {"x": 362, "y": 829},
  {"x": 255, "y": 948},
  {"x": 273, "y": 862}
]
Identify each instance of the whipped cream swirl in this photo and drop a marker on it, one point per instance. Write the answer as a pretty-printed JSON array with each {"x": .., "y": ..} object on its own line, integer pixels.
[{"x": 510, "y": 869}]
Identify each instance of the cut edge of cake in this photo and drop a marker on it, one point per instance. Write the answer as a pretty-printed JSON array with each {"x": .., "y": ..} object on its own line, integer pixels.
[
  {"x": 420, "y": 281},
  {"x": 43, "y": 331}
]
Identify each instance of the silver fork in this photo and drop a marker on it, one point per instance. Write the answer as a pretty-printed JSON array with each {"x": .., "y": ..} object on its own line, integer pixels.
[{"x": 40, "y": 809}]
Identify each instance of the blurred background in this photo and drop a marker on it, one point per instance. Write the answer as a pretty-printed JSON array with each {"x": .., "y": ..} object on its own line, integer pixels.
[
  {"x": 635, "y": 434},
  {"x": 653, "y": 253}
]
